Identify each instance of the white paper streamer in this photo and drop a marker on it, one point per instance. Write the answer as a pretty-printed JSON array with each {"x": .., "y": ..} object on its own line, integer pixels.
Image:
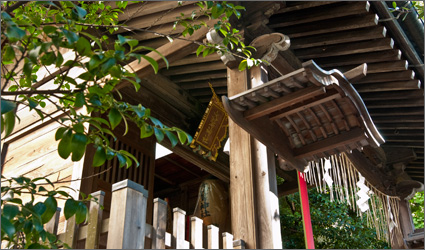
[
  {"x": 362, "y": 202},
  {"x": 327, "y": 178}
]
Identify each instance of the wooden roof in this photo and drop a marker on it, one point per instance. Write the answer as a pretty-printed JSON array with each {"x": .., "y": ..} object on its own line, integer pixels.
[
  {"x": 318, "y": 112},
  {"x": 336, "y": 35}
]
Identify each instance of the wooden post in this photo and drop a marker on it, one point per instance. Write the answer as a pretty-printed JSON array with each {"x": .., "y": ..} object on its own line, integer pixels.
[
  {"x": 227, "y": 240},
  {"x": 159, "y": 225},
  {"x": 52, "y": 225},
  {"x": 241, "y": 176},
  {"x": 94, "y": 224},
  {"x": 196, "y": 235},
  {"x": 127, "y": 222},
  {"x": 179, "y": 227},
  {"x": 71, "y": 233},
  {"x": 239, "y": 244},
  {"x": 213, "y": 240}
]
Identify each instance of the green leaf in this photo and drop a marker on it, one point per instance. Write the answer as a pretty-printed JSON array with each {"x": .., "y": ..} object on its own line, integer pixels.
[
  {"x": 7, "y": 106},
  {"x": 242, "y": 65},
  {"x": 9, "y": 123},
  {"x": 99, "y": 157},
  {"x": 49, "y": 29},
  {"x": 48, "y": 58},
  {"x": 79, "y": 100},
  {"x": 81, "y": 12},
  {"x": 9, "y": 53},
  {"x": 10, "y": 211},
  {"x": 114, "y": 117},
  {"x": 51, "y": 206},
  {"x": 78, "y": 146},
  {"x": 182, "y": 136},
  {"x": 158, "y": 134},
  {"x": 60, "y": 132},
  {"x": 199, "y": 50},
  {"x": 71, "y": 36},
  {"x": 59, "y": 60},
  {"x": 37, "y": 246},
  {"x": 70, "y": 208},
  {"x": 146, "y": 130},
  {"x": 121, "y": 159},
  {"x": 14, "y": 33},
  {"x": 139, "y": 110},
  {"x": 81, "y": 213},
  {"x": 83, "y": 47},
  {"x": 64, "y": 147},
  {"x": 153, "y": 63},
  {"x": 172, "y": 137},
  {"x": 108, "y": 64},
  {"x": 156, "y": 122},
  {"x": 7, "y": 227}
]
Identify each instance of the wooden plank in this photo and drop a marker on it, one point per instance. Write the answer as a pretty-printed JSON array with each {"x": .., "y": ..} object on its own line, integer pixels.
[
  {"x": 303, "y": 5},
  {"x": 345, "y": 48},
  {"x": 379, "y": 67},
  {"x": 396, "y": 125},
  {"x": 127, "y": 216},
  {"x": 189, "y": 69},
  {"x": 393, "y": 95},
  {"x": 313, "y": 15},
  {"x": 141, "y": 9},
  {"x": 414, "y": 102},
  {"x": 339, "y": 37},
  {"x": 95, "y": 221},
  {"x": 388, "y": 77},
  {"x": 179, "y": 229},
  {"x": 216, "y": 83},
  {"x": 197, "y": 77},
  {"x": 159, "y": 223},
  {"x": 152, "y": 19},
  {"x": 391, "y": 119},
  {"x": 396, "y": 111},
  {"x": 371, "y": 57},
  {"x": 330, "y": 26},
  {"x": 389, "y": 86},
  {"x": 352, "y": 136},
  {"x": 283, "y": 102},
  {"x": 227, "y": 240},
  {"x": 196, "y": 235},
  {"x": 212, "y": 237},
  {"x": 194, "y": 59},
  {"x": 404, "y": 139},
  {"x": 330, "y": 95}
]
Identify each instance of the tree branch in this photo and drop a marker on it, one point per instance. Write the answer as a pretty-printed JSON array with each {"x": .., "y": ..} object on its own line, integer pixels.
[
  {"x": 13, "y": 7},
  {"x": 41, "y": 92}
]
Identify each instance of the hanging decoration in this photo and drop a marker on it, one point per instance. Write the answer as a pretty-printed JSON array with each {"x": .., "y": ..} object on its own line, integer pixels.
[
  {"x": 347, "y": 185},
  {"x": 212, "y": 129}
]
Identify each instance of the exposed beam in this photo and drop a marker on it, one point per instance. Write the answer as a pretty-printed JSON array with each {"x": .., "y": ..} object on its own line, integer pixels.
[
  {"x": 389, "y": 86},
  {"x": 393, "y": 95},
  {"x": 380, "y": 56},
  {"x": 388, "y": 77},
  {"x": 379, "y": 67},
  {"x": 336, "y": 141}
]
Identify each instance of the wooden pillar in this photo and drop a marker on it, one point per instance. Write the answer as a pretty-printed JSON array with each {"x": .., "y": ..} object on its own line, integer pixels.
[
  {"x": 406, "y": 224},
  {"x": 159, "y": 225},
  {"x": 253, "y": 205},
  {"x": 127, "y": 221},
  {"x": 241, "y": 176}
]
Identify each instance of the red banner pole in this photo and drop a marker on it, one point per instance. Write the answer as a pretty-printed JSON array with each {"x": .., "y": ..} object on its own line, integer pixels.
[{"x": 305, "y": 209}]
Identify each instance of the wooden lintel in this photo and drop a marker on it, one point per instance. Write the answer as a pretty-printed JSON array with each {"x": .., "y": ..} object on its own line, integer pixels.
[
  {"x": 283, "y": 102},
  {"x": 303, "y": 106},
  {"x": 336, "y": 141}
]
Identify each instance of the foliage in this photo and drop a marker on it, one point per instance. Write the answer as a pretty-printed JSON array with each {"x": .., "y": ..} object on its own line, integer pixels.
[
  {"x": 417, "y": 208},
  {"x": 22, "y": 223},
  {"x": 334, "y": 224},
  {"x": 403, "y": 11},
  {"x": 232, "y": 41}
]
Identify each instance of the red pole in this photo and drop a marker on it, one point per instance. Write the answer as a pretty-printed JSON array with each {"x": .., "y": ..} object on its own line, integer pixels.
[{"x": 305, "y": 208}]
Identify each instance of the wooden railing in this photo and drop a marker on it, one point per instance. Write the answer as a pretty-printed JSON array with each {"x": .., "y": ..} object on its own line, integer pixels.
[{"x": 126, "y": 228}]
